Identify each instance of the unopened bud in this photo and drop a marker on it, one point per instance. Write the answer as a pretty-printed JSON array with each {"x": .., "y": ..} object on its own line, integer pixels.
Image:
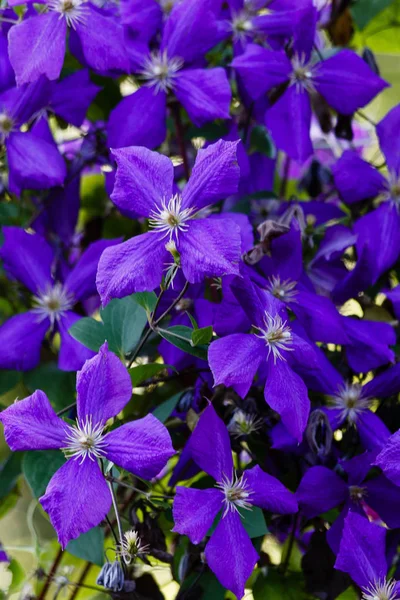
[
  {"x": 319, "y": 433},
  {"x": 111, "y": 576}
]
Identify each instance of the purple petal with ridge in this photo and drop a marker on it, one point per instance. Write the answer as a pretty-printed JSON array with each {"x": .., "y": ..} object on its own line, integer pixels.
[{"x": 194, "y": 511}]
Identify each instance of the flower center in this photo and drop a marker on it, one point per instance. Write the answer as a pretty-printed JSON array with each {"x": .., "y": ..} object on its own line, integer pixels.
[
  {"x": 244, "y": 424},
  {"x": 236, "y": 493},
  {"x": 6, "y": 124},
  {"x": 302, "y": 73},
  {"x": 72, "y": 11},
  {"x": 357, "y": 493},
  {"x": 350, "y": 401},
  {"x": 277, "y": 335},
  {"x": 170, "y": 218},
  {"x": 241, "y": 25},
  {"x": 85, "y": 440},
  {"x": 159, "y": 71},
  {"x": 131, "y": 546},
  {"x": 284, "y": 290},
  {"x": 53, "y": 303},
  {"x": 381, "y": 590}
]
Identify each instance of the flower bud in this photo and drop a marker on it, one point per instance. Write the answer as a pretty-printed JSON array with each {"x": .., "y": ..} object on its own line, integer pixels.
[
  {"x": 111, "y": 576},
  {"x": 319, "y": 433}
]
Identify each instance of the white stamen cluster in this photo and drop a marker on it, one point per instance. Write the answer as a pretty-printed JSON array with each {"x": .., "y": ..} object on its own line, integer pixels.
[
  {"x": 277, "y": 335},
  {"x": 237, "y": 495},
  {"x": 72, "y": 11},
  {"x": 241, "y": 25},
  {"x": 170, "y": 218},
  {"x": 381, "y": 590},
  {"x": 6, "y": 125},
  {"x": 350, "y": 401},
  {"x": 243, "y": 424},
  {"x": 159, "y": 71},
  {"x": 357, "y": 493},
  {"x": 85, "y": 439},
  {"x": 302, "y": 74},
  {"x": 284, "y": 290},
  {"x": 53, "y": 302},
  {"x": 131, "y": 546}
]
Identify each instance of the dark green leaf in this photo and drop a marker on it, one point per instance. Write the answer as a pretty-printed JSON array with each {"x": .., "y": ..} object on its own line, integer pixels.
[
  {"x": 143, "y": 372},
  {"x": 146, "y": 300},
  {"x": 261, "y": 141},
  {"x": 8, "y": 380},
  {"x": 19, "y": 576},
  {"x": 9, "y": 473},
  {"x": 181, "y": 337},
  {"x": 202, "y": 336},
  {"x": 89, "y": 332},
  {"x": 39, "y": 467},
  {"x": 58, "y": 385},
  {"x": 163, "y": 411},
  {"x": 192, "y": 320},
  {"x": 124, "y": 321},
  {"x": 89, "y": 546},
  {"x": 254, "y": 522},
  {"x": 365, "y": 10}
]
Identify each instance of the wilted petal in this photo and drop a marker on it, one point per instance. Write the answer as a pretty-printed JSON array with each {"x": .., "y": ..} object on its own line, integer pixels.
[
  {"x": 292, "y": 135},
  {"x": 34, "y": 163},
  {"x": 144, "y": 180},
  {"x": 27, "y": 257},
  {"x": 320, "y": 490},
  {"x": 260, "y": 70},
  {"x": 194, "y": 511},
  {"x": 210, "y": 248},
  {"x": 134, "y": 266},
  {"x": 21, "y": 341},
  {"x": 286, "y": 393},
  {"x": 139, "y": 120},
  {"x": 205, "y": 94},
  {"x": 73, "y": 354},
  {"x": 269, "y": 493},
  {"x": 215, "y": 175},
  {"x": 141, "y": 447},
  {"x": 76, "y": 499},
  {"x": 103, "y": 387},
  {"x": 230, "y": 554},
  {"x": 210, "y": 445},
  {"x": 234, "y": 360},
  {"x": 346, "y": 82},
  {"x": 102, "y": 41},
  {"x": 362, "y": 550},
  {"x": 37, "y": 47},
  {"x": 388, "y": 459},
  {"x": 32, "y": 424}
]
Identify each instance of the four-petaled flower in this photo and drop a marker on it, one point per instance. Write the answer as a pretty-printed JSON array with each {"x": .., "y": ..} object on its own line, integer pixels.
[{"x": 77, "y": 497}]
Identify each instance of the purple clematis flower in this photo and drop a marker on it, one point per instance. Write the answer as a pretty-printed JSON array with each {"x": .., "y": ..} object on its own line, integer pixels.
[
  {"x": 37, "y": 44},
  {"x": 77, "y": 497},
  {"x": 176, "y": 68},
  {"x": 229, "y": 552},
  {"x": 29, "y": 259},
  {"x": 273, "y": 348},
  {"x": 344, "y": 80},
  {"x": 362, "y": 556},
  {"x": 144, "y": 186}
]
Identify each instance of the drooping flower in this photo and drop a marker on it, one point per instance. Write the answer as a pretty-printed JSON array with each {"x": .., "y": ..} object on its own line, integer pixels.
[
  {"x": 229, "y": 551},
  {"x": 28, "y": 258},
  {"x": 37, "y": 44},
  {"x": 77, "y": 497},
  {"x": 207, "y": 247}
]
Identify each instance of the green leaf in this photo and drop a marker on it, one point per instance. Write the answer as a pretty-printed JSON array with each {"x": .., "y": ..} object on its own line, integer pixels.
[
  {"x": 181, "y": 337},
  {"x": 143, "y": 372},
  {"x": 39, "y": 467},
  {"x": 192, "y": 320},
  {"x": 89, "y": 546},
  {"x": 124, "y": 321},
  {"x": 18, "y": 574},
  {"x": 163, "y": 411},
  {"x": 146, "y": 300},
  {"x": 58, "y": 385},
  {"x": 253, "y": 521},
  {"x": 89, "y": 332},
  {"x": 10, "y": 471},
  {"x": 365, "y": 10},
  {"x": 261, "y": 141},
  {"x": 8, "y": 380},
  {"x": 276, "y": 587},
  {"x": 122, "y": 324},
  {"x": 202, "y": 336}
]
